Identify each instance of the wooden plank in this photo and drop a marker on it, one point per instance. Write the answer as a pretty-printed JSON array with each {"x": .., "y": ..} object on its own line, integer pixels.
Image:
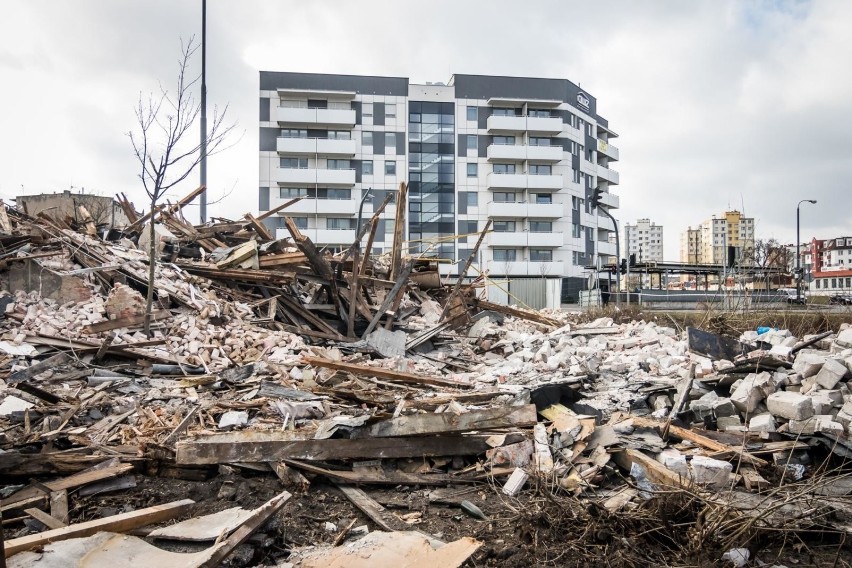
[
  {"x": 382, "y": 477},
  {"x": 515, "y": 312},
  {"x": 116, "y": 523},
  {"x": 38, "y": 368},
  {"x": 703, "y": 441},
  {"x": 181, "y": 428},
  {"x": 386, "y": 374},
  {"x": 128, "y": 321},
  {"x": 398, "y": 231},
  {"x": 260, "y": 446},
  {"x": 656, "y": 472},
  {"x": 59, "y": 505},
  {"x": 390, "y": 298},
  {"x": 44, "y": 518},
  {"x": 281, "y": 207},
  {"x": 372, "y": 508},
  {"x": 259, "y": 227},
  {"x": 447, "y": 422},
  {"x": 69, "y": 482},
  {"x": 258, "y": 518},
  {"x": 752, "y": 479}
]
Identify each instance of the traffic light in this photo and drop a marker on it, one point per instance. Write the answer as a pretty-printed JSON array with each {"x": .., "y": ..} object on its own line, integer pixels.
[
  {"x": 624, "y": 265},
  {"x": 596, "y": 196}
]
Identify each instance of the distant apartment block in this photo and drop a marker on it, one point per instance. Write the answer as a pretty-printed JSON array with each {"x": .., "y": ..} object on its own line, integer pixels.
[
  {"x": 525, "y": 153},
  {"x": 830, "y": 265},
  {"x": 719, "y": 240},
  {"x": 644, "y": 240}
]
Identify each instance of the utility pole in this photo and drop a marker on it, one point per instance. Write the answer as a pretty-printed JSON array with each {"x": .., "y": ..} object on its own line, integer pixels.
[
  {"x": 596, "y": 202},
  {"x": 203, "y": 165},
  {"x": 798, "y": 252}
]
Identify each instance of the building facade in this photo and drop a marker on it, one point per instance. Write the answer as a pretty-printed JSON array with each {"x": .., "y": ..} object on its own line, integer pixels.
[
  {"x": 728, "y": 239},
  {"x": 645, "y": 240},
  {"x": 829, "y": 266},
  {"x": 526, "y": 153}
]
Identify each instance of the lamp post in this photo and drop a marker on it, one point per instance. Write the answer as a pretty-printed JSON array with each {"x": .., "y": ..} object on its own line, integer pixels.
[{"x": 798, "y": 252}]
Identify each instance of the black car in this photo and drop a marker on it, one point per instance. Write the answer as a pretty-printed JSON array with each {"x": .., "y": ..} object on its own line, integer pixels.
[{"x": 838, "y": 300}]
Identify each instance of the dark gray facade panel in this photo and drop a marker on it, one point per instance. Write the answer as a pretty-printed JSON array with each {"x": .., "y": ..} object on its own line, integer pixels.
[
  {"x": 379, "y": 114},
  {"x": 263, "y": 201},
  {"x": 486, "y": 87},
  {"x": 482, "y": 117},
  {"x": 264, "y": 109},
  {"x": 591, "y": 143},
  {"x": 363, "y": 85},
  {"x": 356, "y": 164},
  {"x": 575, "y": 216},
  {"x": 380, "y": 227},
  {"x": 565, "y": 143},
  {"x": 462, "y": 145},
  {"x": 590, "y": 245},
  {"x": 575, "y": 162},
  {"x": 356, "y": 106},
  {"x": 268, "y": 137},
  {"x": 482, "y": 149},
  {"x": 462, "y": 197},
  {"x": 317, "y": 133},
  {"x": 378, "y": 198},
  {"x": 379, "y": 143},
  {"x": 401, "y": 145}
]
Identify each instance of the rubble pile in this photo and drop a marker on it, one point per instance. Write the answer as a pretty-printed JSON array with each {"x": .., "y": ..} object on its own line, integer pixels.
[{"x": 278, "y": 359}]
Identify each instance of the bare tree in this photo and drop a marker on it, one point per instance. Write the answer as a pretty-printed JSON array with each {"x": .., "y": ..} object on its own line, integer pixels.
[
  {"x": 168, "y": 148},
  {"x": 765, "y": 255}
]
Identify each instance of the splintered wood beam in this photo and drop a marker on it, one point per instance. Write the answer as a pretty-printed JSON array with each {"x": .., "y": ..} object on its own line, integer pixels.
[
  {"x": 281, "y": 207},
  {"x": 390, "y": 298},
  {"x": 448, "y": 422},
  {"x": 398, "y": 231},
  {"x": 382, "y": 373},
  {"x": 464, "y": 270},
  {"x": 259, "y": 227},
  {"x": 116, "y": 523},
  {"x": 374, "y": 225},
  {"x": 514, "y": 312},
  {"x": 249, "y": 446}
]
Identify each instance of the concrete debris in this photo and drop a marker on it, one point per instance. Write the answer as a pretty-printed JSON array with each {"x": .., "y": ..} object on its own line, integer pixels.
[{"x": 277, "y": 358}]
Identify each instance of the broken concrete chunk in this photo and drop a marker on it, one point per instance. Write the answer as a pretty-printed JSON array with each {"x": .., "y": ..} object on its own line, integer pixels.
[
  {"x": 815, "y": 424},
  {"x": 729, "y": 424},
  {"x": 808, "y": 363},
  {"x": 831, "y": 373},
  {"x": 233, "y": 419},
  {"x": 844, "y": 338},
  {"x": 790, "y": 405},
  {"x": 762, "y": 423},
  {"x": 12, "y": 404},
  {"x": 751, "y": 391},
  {"x": 515, "y": 482},
  {"x": 713, "y": 473},
  {"x": 388, "y": 343}
]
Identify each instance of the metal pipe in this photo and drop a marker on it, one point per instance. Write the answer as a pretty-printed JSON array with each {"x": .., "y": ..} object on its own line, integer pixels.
[{"x": 203, "y": 165}]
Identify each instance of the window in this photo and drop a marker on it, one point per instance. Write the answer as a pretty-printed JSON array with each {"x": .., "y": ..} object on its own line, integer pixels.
[
  {"x": 472, "y": 113},
  {"x": 504, "y": 168},
  {"x": 541, "y": 255},
  {"x": 540, "y": 169},
  {"x": 339, "y": 135},
  {"x": 339, "y": 165},
  {"x": 390, "y": 168},
  {"x": 317, "y": 103},
  {"x": 538, "y": 112},
  {"x": 849, "y": 282},
  {"x": 367, "y": 110},
  {"x": 575, "y": 231},
  {"x": 390, "y": 111},
  {"x": 834, "y": 282},
  {"x": 542, "y": 198},
  {"x": 294, "y": 163},
  {"x": 537, "y": 141},
  {"x": 472, "y": 199},
  {"x": 505, "y": 140},
  {"x": 390, "y": 142},
  {"x": 300, "y": 222},
  {"x": 335, "y": 193},
  {"x": 504, "y": 112},
  {"x": 505, "y": 255},
  {"x": 471, "y": 142},
  {"x": 817, "y": 281},
  {"x": 504, "y": 226},
  {"x": 291, "y": 192},
  {"x": 367, "y": 167},
  {"x": 504, "y": 197},
  {"x": 472, "y": 170},
  {"x": 576, "y": 176},
  {"x": 366, "y": 138},
  {"x": 338, "y": 223},
  {"x": 541, "y": 226},
  {"x": 293, "y": 133},
  {"x": 576, "y": 203}
]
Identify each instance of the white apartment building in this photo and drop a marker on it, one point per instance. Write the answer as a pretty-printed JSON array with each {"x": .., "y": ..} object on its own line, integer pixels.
[
  {"x": 717, "y": 238},
  {"x": 526, "y": 153},
  {"x": 645, "y": 240}
]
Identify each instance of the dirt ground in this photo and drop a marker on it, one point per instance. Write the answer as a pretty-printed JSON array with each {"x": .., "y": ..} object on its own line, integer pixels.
[{"x": 531, "y": 530}]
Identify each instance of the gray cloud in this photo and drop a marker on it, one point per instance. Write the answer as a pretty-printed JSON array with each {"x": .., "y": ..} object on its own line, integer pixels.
[{"x": 718, "y": 103}]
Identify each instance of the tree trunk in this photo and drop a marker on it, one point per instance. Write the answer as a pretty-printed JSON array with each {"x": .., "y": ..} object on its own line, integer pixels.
[{"x": 152, "y": 265}]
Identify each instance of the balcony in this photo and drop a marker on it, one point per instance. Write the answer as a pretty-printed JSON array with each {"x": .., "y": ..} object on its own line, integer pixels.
[
  {"x": 524, "y": 181},
  {"x": 316, "y": 146},
  {"x": 610, "y": 200},
  {"x": 507, "y": 239},
  {"x": 609, "y": 175},
  {"x": 608, "y": 149},
  {"x": 514, "y": 152},
  {"x": 338, "y": 117},
  {"x": 321, "y": 207},
  {"x": 506, "y": 123},
  {"x": 606, "y": 248},
  {"x": 552, "y": 268},
  {"x": 313, "y": 176},
  {"x": 322, "y": 236},
  {"x": 544, "y": 153},
  {"x": 545, "y": 239},
  {"x": 503, "y": 209},
  {"x": 544, "y": 125},
  {"x": 545, "y": 210}
]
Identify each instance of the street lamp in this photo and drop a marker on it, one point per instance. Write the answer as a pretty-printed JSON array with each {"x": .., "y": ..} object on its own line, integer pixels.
[{"x": 798, "y": 253}]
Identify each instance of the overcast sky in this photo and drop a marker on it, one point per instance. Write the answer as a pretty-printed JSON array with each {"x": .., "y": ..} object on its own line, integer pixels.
[{"x": 719, "y": 104}]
